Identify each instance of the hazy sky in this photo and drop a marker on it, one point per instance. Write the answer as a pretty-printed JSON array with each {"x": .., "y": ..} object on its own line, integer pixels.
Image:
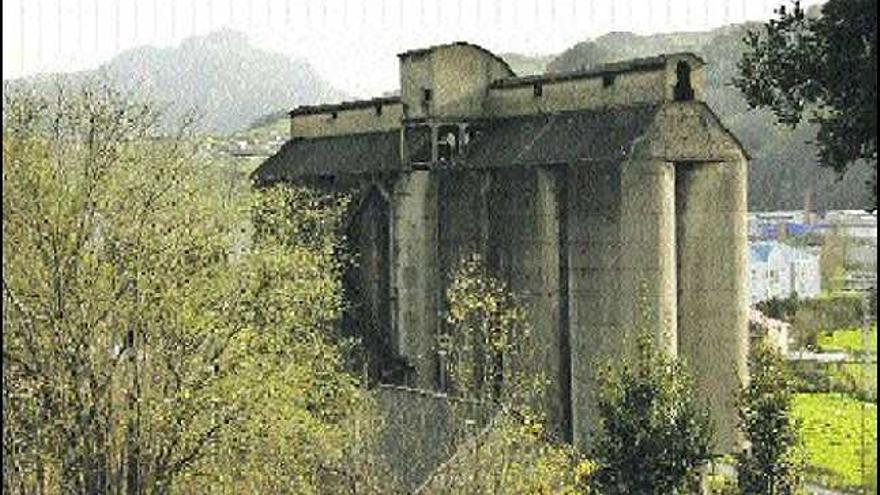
[{"x": 352, "y": 43}]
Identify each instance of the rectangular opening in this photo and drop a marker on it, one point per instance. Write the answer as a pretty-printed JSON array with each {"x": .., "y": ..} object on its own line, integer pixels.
[
  {"x": 418, "y": 143},
  {"x": 538, "y": 90},
  {"x": 426, "y": 95},
  {"x": 607, "y": 80},
  {"x": 448, "y": 142}
]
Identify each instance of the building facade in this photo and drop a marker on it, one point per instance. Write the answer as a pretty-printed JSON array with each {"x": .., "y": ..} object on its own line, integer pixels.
[
  {"x": 610, "y": 200},
  {"x": 777, "y": 270}
]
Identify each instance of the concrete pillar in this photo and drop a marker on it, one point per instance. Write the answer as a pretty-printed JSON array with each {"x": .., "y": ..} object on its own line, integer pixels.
[
  {"x": 621, "y": 248},
  {"x": 524, "y": 243},
  {"x": 415, "y": 274},
  {"x": 648, "y": 269},
  {"x": 713, "y": 285}
]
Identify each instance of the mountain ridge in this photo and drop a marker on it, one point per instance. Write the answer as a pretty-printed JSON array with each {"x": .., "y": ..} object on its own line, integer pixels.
[{"x": 221, "y": 76}]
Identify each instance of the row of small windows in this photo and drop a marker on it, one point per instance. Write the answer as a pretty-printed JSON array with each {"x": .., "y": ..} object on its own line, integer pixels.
[
  {"x": 683, "y": 89},
  {"x": 335, "y": 115},
  {"x": 538, "y": 88}
]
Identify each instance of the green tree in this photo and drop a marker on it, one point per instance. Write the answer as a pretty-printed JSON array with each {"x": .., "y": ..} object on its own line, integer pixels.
[
  {"x": 487, "y": 344},
  {"x": 655, "y": 434},
  {"x": 149, "y": 345},
  {"x": 487, "y": 349},
  {"x": 824, "y": 67},
  {"x": 772, "y": 462}
]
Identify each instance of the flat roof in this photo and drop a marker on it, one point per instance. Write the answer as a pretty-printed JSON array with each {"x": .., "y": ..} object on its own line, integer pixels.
[{"x": 344, "y": 105}]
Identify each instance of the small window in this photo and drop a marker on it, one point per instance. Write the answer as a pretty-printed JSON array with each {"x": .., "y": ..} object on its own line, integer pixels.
[
  {"x": 448, "y": 143},
  {"x": 683, "y": 89},
  {"x": 538, "y": 90},
  {"x": 607, "y": 80},
  {"x": 426, "y": 95}
]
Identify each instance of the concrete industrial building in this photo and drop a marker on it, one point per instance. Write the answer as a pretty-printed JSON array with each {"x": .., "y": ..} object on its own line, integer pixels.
[{"x": 610, "y": 200}]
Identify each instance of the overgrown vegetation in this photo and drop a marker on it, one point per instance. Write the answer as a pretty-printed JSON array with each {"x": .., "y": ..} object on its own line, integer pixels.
[
  {"x": 655, "y": 434},
  {"x": 488, "y": 349},
  {"x": 148, "y": 346},
  {"x": 772, "y": 461}
]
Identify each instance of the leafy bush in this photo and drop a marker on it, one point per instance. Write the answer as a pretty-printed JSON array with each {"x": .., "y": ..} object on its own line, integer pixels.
[
  {"x": 655, "y": 435},
  {"x": 771, "y": 462},
  {"x": 487, "y": 343},
  {"x": 513, "y": 457},
  {"x": 780, "y": 308}
]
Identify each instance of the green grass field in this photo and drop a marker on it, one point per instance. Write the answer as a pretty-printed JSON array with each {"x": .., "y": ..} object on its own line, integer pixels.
[
  {"x": 848, "y": 340},
  {"x": 832, "y": 432}
]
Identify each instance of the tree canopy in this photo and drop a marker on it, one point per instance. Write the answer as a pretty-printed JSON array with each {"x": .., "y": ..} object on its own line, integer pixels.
[
  {"x": 149, "y": 345},
  {"x": 822, "y": 69}
]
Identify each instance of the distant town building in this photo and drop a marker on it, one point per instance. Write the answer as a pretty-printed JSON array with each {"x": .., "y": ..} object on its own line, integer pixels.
[
  {"x": 860, "y": 229},
  {"x": 775, "y": 332},
  {"x": 779, "y": 270}
]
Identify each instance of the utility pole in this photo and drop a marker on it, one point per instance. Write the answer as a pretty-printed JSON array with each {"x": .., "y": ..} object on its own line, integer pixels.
[{"x": 867, "y": 309}]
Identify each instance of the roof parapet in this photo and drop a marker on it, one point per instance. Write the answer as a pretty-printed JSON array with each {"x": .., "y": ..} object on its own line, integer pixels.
[
  {"x": 631, "y": 65},
  {"x": 344, "y": 105},
  {"x": 424, "y": 51}
]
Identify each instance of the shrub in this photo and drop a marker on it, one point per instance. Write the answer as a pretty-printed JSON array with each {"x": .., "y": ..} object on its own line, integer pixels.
[
  {"x": 772, "y": 461},
  {"x": 655, "y": 435}
]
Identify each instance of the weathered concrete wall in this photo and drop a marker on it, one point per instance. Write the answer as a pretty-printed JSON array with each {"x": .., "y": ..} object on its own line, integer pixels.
[
  {"x": 457, "y": 75},
  {"x": 524, "y": 243},
  {"x": 621, "y": 250},
  {"x": 416, "y": 74},
  {"x": 463, "y": 217},
  {"x": 576, "y": 94},
  {"x": 462, "y": 75},
  {"x": 713, "y": 285},
  {"x": 648, "y": 269},
  {"x": 422, "y": 428},
  {"x": 415, "y": 273},
  {"x": 689, "y": 132},
  {"x": 366, "y": 280},
  {"x": 352, "y": 121}
]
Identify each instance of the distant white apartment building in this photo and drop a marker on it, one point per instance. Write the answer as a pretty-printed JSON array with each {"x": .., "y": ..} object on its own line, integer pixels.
[
  {"x": 855, "y": 224},
  {"x": 778, "y": 270}
]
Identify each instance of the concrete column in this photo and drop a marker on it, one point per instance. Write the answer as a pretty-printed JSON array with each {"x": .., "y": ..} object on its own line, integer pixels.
[
  {"x": 648, "y": 269},
  {"x": 621, "y": 248},
  {"x": 415, "y": 273},
  {"x": 524, "y": 241},
  {"x": 713, "y": 285}
]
